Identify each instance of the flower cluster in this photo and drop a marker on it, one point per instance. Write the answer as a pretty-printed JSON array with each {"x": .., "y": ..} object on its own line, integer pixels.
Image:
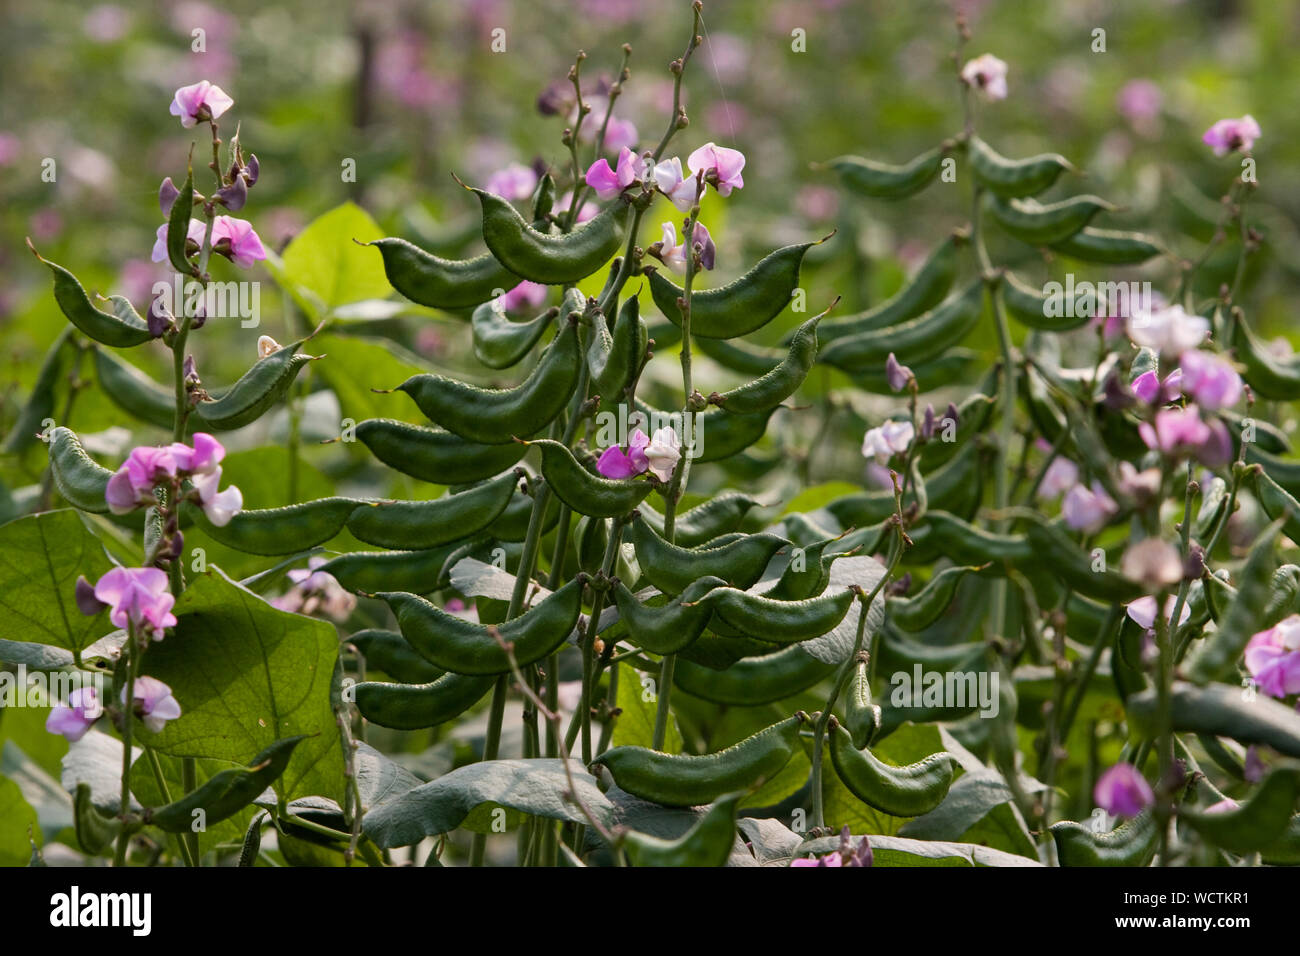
[
  {"x": 658, "y": 455},
  {"x": 153, "y": 704},
  {"x": 1273, "y": 658},
  {"x": 315, "y": 590},
  {"x": 846, "y": 854},
  {"x": 148, "y": 467}
]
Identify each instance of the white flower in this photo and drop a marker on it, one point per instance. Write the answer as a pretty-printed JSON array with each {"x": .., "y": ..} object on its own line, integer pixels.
[
  {"x": 987, "y": 74},
  {"x": 1169, "y": 331},
  {"x": 663, "y": 453},
  {"x": 679, "y": 189},
  {"x": 889, "y": 439},
  {"x": 220, "y": 507},
  {"x": 1143, "y": 611},
  {"x": 267, "y": 346}
]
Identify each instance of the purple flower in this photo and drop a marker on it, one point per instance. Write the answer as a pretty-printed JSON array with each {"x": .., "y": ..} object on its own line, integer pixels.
[
  {"x": 1061, "y": 475},
  {"x": 614, "y": 463},
  {"x": 200, "y": 102},
  {"x": 236, "y": 240},
  {"x": 587, "y": 210},
  {"x": 1152, "y": 562},
  {"x": 987, "y": 74},
  {"x": 1151, "y": 390},
  {"x": 1122, "y": 792},
  {"x": 1232, "y": 134},
  {"x": 315, "y": 590},
  {"x": 139, "y": 597},
  {"x": 845, "y": 855},
  {"x": 885, "y": 441},
  {"x": 526, "y": 295},
  {"x": 673, "y": 254},
  {"x": 154, "y": 703},
  {"x": 662, "y": 453},
  {"x": 1210, "y": 380},
  {"x": 167, "y": 194},
  {"x": 1273, "y": 658},
  {"x": 607, "y": 182},
  {"x": 1178, "y": 432},
  {"x": 515, "y": 183},
  {"x": 195, "y": 235},
  {"x": 721, "y": 166},
  {"x": 1088, "y": 509},
  {"x": 77, "y": 716},
  {"x": 897, "y": 374},
  {"x": 147, "y": 466}
]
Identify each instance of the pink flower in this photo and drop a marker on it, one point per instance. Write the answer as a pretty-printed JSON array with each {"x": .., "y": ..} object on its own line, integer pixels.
[
  {"x": 1169, "y": 331},
  {"x": 663, "y": 453},
  {"x": 607, "y": 182},
  {"x": 138, "y": 597},
  {"x": 515, "y": 183},
  {"x": 673, "y": 254},
  {"x": 236, "y": 240},
  {"x": 1273, "y": 658},
  {"x": 146, "y": 467},
  {"x": 987, "y": 74},
  {"x": 1087, "y": 509},
  {"x": 1210, "y": 380},
  {"x": 1139, "y": 101},
  {"x": 195, "y": 235},
  {"x": 614, "y": 463},
  {"x": 200, "y": 102},
  {"x": 620, "y": 134},
  {"x": 1123, "y": 792},
  {"x": 679, "y": 190},
  {"x": 1142, "y": 611},
  {"x": 526, "y": 295},
  {"x": 219, "y": 506},
  {"x": 1232, "y": 134},
  {"x": 887, "y": 440},
  {"x": 1178, "y": 432},
  {"x": 153, "y": 702},
  {"x": 206, "y": 455},
  {"x": 1061, "y": 475},
  {"x": 587, "y": 210},
  {"x": 315, "y": 590},
  {"x": 77, "y": 716},
  {"x": 721, "y": 167},
  {"x": 1151, "y": 390},
  {"x": 897, "y": 374}
]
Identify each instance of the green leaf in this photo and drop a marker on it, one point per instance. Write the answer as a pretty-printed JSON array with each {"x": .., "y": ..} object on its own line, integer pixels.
[
  {"x": 976, "y": 810},
  {"x": 324, "y": 266},
  {"x": 246, "y": 675},
  {"x": 536, "y": 786},
  {"x": 16, "y": 818},
  {"x": 636, "y": 724},
  {"x": 41, "y": 557},
  {"x": 358, "y": 364}
]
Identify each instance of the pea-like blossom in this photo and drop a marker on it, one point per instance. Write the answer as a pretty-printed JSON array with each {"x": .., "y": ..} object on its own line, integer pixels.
[
  {"x": 74, "y": 718},
  {"x": 673, "y": 254},
  {"x": 884, "y": 441},
  {"x": 194, "y": 234},
  {"x": 154, "y": 702},
  {"x": 680, "y": 190},
  {"x": 1180, "y": 432},
  {"x": 167, "y": 193},
  {"x": 1140, "y": 101},
  {"x": 663, "y": 453},
  {"x": 721, "y": 166},
  {"x": 526, "y": 295},
  {"x": 1228, "y": 135},
  {"x": 1210, "y": 380},
  {"x": 137, "y": 597},
  {"x": 1061, "y": 475},
  {"x": 147, "y": 467},
  {"x": 1142, "y": 611},
  {"x": 615, "y": 463},
  {"x": 200, "y": 102},
  {"x": 1153, "y": 391},
  {"x": 1088, "y": 509},
  {"x": 1152, "y": 562},
  {"x": 1273, "y": 658},
  {"x": 986, "y": 74},
  {"x": 1140, "y": 485},
  {"x": 1122, "y": 791},
  {"x": 897, "y": 374},
  {"x": 236, "y": 240},
  {"x": 515, "y": 183},
  {"x": 316, "y": 590},
  {"x": 1169, "y": 330},
  {"x": 845, "y": 855},
  {"x": 608, "y": 182}
]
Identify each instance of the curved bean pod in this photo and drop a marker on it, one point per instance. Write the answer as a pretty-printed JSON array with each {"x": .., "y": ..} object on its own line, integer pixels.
[
  {"x": 1132, "y": 843},
  {"x": 884, "y": 181},
  {"x": 1014, "y": 178},
  {"x": 899, "y": 791},
  {"x": 389, "y": 652},
  {"x": 1272, "y": 377},
  {"x": 418, "y": 525},
  {"x": 275, "y": 531},
  {"x": 256, "y": 391},
  {"x": 77, "y": 476},
  {"x": 226, "y": 793},
  {"x": 1110, "y": 246},
  {"x": 499, "y": 341},
  {"x": 707, "y": 843},
  {"x": 752, "y": 681},
  {"x": 434, "y": 455},
  {"x": 672, "y": 569},
  {"x": 1040, "y": 225},
  {"x": 416, "y": 571},
  {"x": 553, "y": 260},
  {"x": 922, "y": 609},
  {"x": 133, "y": 391},
  {"x": 861, "y": 715},
  {"x": 439, "y": 283},
  {"x": 416, "y": 706},
  {"x": 781, "y": 382},
  {"x": 778, "y": 622},
  {"x": 670, "y": 627},
  {"x": 121, "y": 328},
  {"x": 1030, "y": 307},
  {"x": 584, "y": 492}
]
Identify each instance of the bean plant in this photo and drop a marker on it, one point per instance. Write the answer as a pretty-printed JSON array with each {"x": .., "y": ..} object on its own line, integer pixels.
[{"x": 615, "y": 618}]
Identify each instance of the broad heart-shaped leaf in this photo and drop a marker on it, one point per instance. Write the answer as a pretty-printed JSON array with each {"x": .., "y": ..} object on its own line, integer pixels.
[
  {"x": 16, "y": 818},
  {"x": 636, "y": 724},
  {"x": 358, "y": 364},
  {"x": 468, "y": 795},
  {"x": 977, "y": 809},
  {"x": 247, "y": 675},
  {"x": 837, "y": 646},
  {"x": 41, "y": 556},
  {"x": 323, "y": 266}
]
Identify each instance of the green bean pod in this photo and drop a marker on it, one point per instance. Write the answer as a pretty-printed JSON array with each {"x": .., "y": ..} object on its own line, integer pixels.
[
  {"x": 133, "y": 391},
  {"x": 683, "y": 780},
  {"x": 753, "y": 681},
  {"x": 418, "y": 525},
  {"x": 226, "y": 793},
  {"x": 1013, "y": 178},
  {"x": 1277, "y": 503},
  {"x": 434, "y": 455},
  {"x": 627, "y": 349},
  {"x": 1282, "y": 470},
  {"x": 877, "y": 180},
  {"x": 499, "y": 341},
  {"x": 739, "y": 357},
  {"x": 1042, "y": 225},
  {"x": 707, "y": 843},
  {"x": 899, "y": 791},
  {"x": 81, "y": 480},
  {"x": 1030, "y": 307},
  {"x": 926, "y": 290},
  {"x": 1220, "y": 652},
  {"x": 861, "y": 715},
  {"x": 497, "y": 416},
  {"x": 463, "y": 647},
  {"x": 742, "y": 306},
  {"x": 275, "y": 531},
  {"x": 963, "y": 542},
  {"x": 439, "y": 283},
  {"x": 178, "y": 228},
  {"x": 1219, "y": 710},
  {"x": 1132, "y": 843},
  {"x": 1110, "y": 246},
  {"x": 1067, "y": 561},
  {"x": 1271, "y": 377},
  {"x": 719, "y": 515},
  {"x": 922, "y": 609},
  {"x": 795, "y": 584},
  {"x": 671, "y": 568},
  {"x": 388, "y": 651},
  {"x": 781, "y": 382},
  {"x": 670, "y": 627},
  {"x": 728, "y": 433},
  {"x": 120, "y": 328},
  {"x": 553, "y": 260},
  {"x": 915, "y": 340},
  {"x": 29, "y": 425},
  {"x": 94, "y": 829},
  {"x": 416, "y": 706},
  {"x": 512, "y": 524},
  {"x": 775, "y": 621},
  {"x": 256, "y": 391},
  {"x": 1258, "y": 823},
  {"x": 584, "y": 492},
  {"x": 416, "y": 571}
]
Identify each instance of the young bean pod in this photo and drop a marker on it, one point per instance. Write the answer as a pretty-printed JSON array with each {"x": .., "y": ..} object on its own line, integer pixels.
[
  {"x": 553, "y": 260},
  {"x": 584, "y": 492},
  {"x": 627, "y": 349},
  {"x": 418, "y": 525},
  {"x": 1067, "y": 561},
  {"x": 1218, "y": 709},
  {"x": 671, "y": 568},
  {"x": 899, "y": 791},
  {"x": 1258, "y": 823},
  {"x": 1109, "y": 246},
  {"x": 81, "y": 480},
  {"x": 1013, "y": 178},
  {"x": 670, "y": 627},
  {"x": 774, "y": 621},
  {"x": 1029, "y": 307},
  {"x": 878, "y": 180},
  {"x": 861, "y": 715},
  {"x": 133, "y": 391},
  {"x": 256, "y": 391},
  {"x": 922, "y": 609},
  {"x": 1132, "y": 843},
  {"x": 707, "y": 843},
  {"x": 416, "y": 706},
  {"x": 439, "y": 283},
  {"x": 388, "y": 651},
  {"x": 752, "y": 681},
  {"x": 416, "y": 571},
  {"x": 275, "y": 531},
  {"x": 499, "y": 341},
  {"x": 1220, "y": 652},
  {"x": 1041, "y": 225},
  {"x": 781, "y": 382},
  {"x": 1272, "y": 377},
  {"x": 719, "y": 515},
  {"x": 434, "y": 455},
  {"x": 120, "y": 328}
]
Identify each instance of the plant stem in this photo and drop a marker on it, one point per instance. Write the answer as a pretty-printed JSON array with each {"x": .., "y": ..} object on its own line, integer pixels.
[{"x": 133, "y": 651}]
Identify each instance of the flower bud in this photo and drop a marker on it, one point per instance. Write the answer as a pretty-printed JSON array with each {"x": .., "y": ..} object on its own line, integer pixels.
[
  {"x": 159, "y": 320},
  {"x": 1153, "y": 563},
  {"x": 897, "y": 374},
  {"x": 251, "y": 169},
  {"x": 267, "y": 346},
  {"x": 87, "y": 603},
  {"x": 167, "y": 194},
  {"x": 233, "y": 196},
  {"x": 927, "y": 422}
]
